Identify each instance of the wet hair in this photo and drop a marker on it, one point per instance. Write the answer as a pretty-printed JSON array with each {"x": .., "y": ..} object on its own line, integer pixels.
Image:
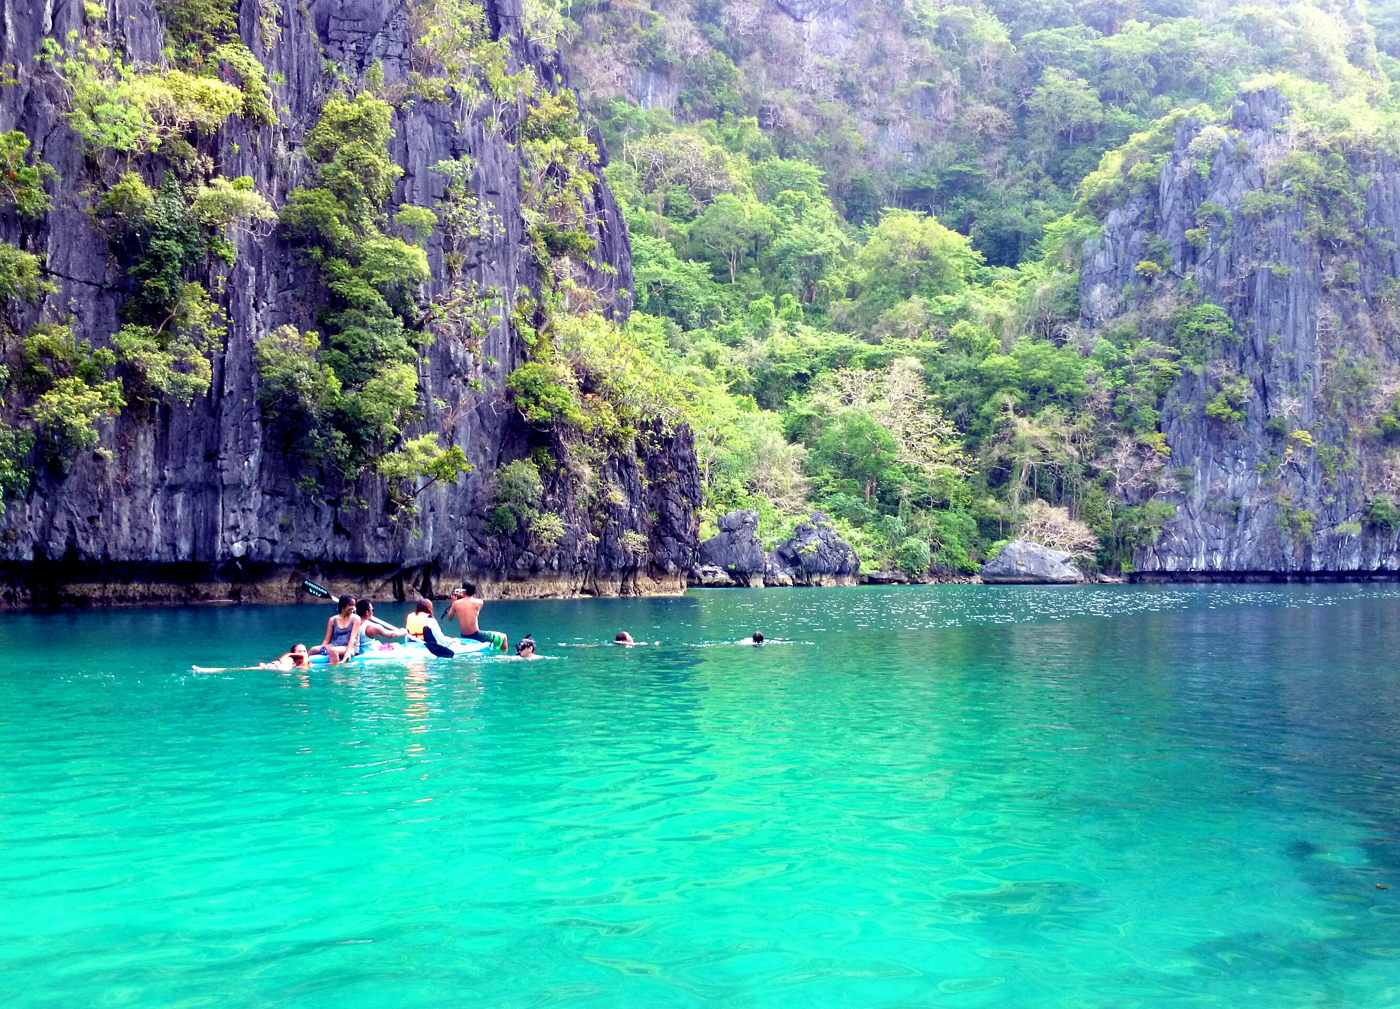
[
  {"x": 526, "y": 642},
  {"x": 362, "y": 607},
  {"x": 295, "y": 654},
  {"x": 424, "y": 606},
  {"x": 623, "y": 638},
  {"x": 758, "y": 637},
  {"x": 469, "y": 588},
  {"x": 345, "y": 601}
]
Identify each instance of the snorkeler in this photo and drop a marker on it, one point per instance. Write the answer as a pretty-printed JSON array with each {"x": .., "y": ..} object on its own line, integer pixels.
[
  {"x": 757, "y": 639},
  {"x": 525, "y": 648}
]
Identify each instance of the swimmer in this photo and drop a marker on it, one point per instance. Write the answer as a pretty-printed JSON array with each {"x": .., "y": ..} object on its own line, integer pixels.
[
  {"x": 623, "y": 638},
  {"x": 525, "y": 648},
  {"x": 295, "y": 659},
  {"x": 757, "y": 639}
]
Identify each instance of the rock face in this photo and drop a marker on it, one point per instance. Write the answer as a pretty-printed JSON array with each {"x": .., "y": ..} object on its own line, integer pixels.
[
  {"x": 1314, "y": 355},
  {"x": 913, "y": 103},
  {"x": 1022, "y": 562},
  {"x": 197, "y": 502},
  {"x": 814, "y": 555},
  {"x": 736, "y": 550},
  {"x": 707, "y": 576}
]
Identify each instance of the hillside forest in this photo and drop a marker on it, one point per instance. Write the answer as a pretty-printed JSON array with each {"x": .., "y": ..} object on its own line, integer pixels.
[
  {"x": 856, "y": 232},
  {"x": 863, "y": 253}
]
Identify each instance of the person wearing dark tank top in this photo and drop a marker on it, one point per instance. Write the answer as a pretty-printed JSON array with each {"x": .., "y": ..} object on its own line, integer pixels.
[{"x": 342, "y": 638}]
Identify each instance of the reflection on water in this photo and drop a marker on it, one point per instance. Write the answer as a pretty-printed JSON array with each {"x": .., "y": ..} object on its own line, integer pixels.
[{"x": 953, "y": 796}]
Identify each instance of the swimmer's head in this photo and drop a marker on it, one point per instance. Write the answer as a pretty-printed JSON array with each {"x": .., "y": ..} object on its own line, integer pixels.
[
  {"x": 525, "y": 645},
  {"x": 758, "y": 637},
  {"x": 623, "y": 638}
]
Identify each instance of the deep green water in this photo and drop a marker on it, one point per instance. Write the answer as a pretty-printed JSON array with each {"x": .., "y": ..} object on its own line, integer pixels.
[{"x": 945, "y": 796}]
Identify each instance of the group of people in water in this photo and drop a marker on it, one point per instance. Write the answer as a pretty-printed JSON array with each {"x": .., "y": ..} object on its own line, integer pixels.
[{"x": 354, "y": 628}]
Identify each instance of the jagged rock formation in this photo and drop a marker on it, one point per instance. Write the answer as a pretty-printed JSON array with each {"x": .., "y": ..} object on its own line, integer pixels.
[
  {"x": 1278, "y": 452},
  {"x": 814, "y": 555},
  {"x": 1022, "y": 562},
  {"x": 735, "y": 550},
  {"x": 199, "y": 502}
]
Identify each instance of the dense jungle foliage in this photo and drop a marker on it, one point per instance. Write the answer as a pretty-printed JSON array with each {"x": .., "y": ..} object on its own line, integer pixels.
[
  {"x": 860, "y": 238},
  {"x": 856, "y": 233}
]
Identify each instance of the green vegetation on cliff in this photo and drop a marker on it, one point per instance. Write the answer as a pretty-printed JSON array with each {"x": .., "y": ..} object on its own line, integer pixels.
[
  {"x": 856, "y": 233},
  {"x": 861, "y": 234},
  {"x": 163, "y": 208}
]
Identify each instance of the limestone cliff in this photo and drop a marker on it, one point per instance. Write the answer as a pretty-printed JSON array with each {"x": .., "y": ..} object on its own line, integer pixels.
[
  {"x": 1281, "y": 425},
  {"x": 202, "y": 502}
]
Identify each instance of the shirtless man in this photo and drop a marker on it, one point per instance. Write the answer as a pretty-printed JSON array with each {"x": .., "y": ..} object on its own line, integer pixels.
[{"x": 466, "y": 610}]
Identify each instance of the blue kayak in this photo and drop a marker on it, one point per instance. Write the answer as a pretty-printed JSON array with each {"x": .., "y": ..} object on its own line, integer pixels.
[{"x": 413, "y": 651}]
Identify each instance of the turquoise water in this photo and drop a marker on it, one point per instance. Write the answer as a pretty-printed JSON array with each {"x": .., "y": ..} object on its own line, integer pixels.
[{"x": 943, "y": 796}]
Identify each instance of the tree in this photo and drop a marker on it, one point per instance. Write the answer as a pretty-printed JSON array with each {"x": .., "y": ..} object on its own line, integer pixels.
[
  {"x": 895, "y": 399},
  {"x": 21, "y": 185},
  {"x": 910, "y": 253},
  {"x": 855, "y": 447},
  {"x": 1055, "y": 528},
  {"x": 731, "y": 227},
  {"x": 1131, "y": 76},
  {"x": 805, "y": 255},
  {"x": 679, "y": 159},
  {"x": 810, "y": 244},
  {"x": 1063, "y": 105}
]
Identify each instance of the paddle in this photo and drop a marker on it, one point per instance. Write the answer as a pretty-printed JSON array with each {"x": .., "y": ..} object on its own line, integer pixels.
[
  {"x": 316, "y": 590},
  {"x": 436, "y": 647},
  {"x": 321, "y": 592}
]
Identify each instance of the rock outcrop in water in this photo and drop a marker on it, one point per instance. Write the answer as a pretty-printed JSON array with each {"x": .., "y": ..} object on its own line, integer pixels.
[
  {"x": 201, "y": 502},
  {"x": 735, "y": 551},
  {"x": 1281, "y": 427},
  {"x": 814, "y": 555},
  {"x": 1022, "y": 562}
]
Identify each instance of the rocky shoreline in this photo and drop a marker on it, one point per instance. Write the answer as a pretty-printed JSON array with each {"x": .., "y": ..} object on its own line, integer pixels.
[
  {"x": 52, "y": 586},
  {"x": 813, "y": 556}
]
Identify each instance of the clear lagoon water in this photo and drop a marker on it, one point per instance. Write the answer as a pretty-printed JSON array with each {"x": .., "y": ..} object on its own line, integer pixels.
[{"x": 943, "y": 796}]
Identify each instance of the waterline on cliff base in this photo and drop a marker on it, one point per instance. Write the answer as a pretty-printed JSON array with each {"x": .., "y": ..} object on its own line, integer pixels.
[{"x": 955, "y": 796}]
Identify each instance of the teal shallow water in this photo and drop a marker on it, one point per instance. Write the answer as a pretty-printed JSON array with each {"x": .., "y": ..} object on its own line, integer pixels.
[{"x": 950, "y": 796}]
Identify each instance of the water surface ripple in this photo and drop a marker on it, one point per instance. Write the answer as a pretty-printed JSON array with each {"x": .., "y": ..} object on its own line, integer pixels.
[{"x": 951, "y": 796}]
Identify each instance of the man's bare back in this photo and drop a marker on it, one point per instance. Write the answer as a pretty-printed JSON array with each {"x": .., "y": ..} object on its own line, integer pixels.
[{"x": 466, "y": 610}]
